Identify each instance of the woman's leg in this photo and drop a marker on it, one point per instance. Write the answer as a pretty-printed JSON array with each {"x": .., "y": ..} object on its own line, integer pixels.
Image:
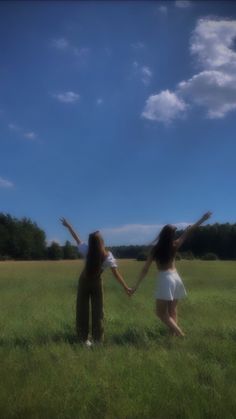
[
  {"x": 172, "y": 309},
  {"x": 97, "y": 311},
  {"x": 82, "y": 310},
  {"x": 163, "y": 314}
]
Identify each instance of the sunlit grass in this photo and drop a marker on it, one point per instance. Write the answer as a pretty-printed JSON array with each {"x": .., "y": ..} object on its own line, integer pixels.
[{"x": 140, "y": 372}]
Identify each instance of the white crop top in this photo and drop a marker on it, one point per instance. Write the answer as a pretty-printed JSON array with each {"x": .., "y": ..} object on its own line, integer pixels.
[{"x": 109, "y": 262}]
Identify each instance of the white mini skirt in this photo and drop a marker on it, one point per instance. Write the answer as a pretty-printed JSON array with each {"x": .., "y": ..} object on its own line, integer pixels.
[{"x": 169, "y": 286}]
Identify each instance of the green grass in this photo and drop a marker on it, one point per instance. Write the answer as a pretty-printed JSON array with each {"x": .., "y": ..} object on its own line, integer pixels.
[{"x": 140, "y": 372}]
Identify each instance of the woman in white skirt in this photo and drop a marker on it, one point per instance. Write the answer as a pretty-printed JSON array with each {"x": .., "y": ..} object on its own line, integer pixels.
[{"x": 170, "y": 288}]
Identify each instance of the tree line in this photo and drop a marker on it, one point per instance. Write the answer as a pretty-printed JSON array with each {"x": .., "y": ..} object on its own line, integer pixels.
[
  {"x": 22, "y": 239},
  {"x": 210, "y": 242}
]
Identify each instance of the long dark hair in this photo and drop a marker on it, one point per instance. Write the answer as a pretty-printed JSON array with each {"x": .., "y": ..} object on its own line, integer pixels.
[
  {"x": 96, "y": 254},
  {"x": 164, "y": 251}
]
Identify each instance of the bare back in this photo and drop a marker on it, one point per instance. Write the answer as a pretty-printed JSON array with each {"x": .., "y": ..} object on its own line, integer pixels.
[{"x": 170, "y": 265}]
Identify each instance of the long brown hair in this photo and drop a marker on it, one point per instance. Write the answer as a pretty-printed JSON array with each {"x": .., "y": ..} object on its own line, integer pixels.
[
  {"x": 96, "y": 254},
  {"x": 164, "y": 251}
]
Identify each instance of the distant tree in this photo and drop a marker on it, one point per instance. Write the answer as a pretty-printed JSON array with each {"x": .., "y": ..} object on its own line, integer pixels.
[
  {"x": 69, "y": 251},
  {"x": 188, "y": 255},
  {"x": 142, "y": 256},
  {"x": 178, "y": 256},
  {"x": 55, "y": 251},
  {"x": 209, "y": 256},
  {"x": 21, "y": 238}
]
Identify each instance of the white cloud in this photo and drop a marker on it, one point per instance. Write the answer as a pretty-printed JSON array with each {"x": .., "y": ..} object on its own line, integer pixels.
[
  {"x": 183, "y": 4},
  {"x": 163, "y": 107},
  {"x": 143, "y": 72},
  {"x": 138, "y": 45},
  {"x": 67, "y": 97},
  {"x": 81, "y": 52},
  {"x": 212, "y": 43},
  {"x": 4, "y": 183},
  {"x": 99, "y": 101},
  {"x": 14, "y": 127},
  {"x": 30, "y": 135},
  {"x": 163, "y": 9},
  {"x": 146, "y": 74},
  {"x": 213, "y": 88},
  {"x": 60, "y": 43},
  {"x": 134, "y": 233}
]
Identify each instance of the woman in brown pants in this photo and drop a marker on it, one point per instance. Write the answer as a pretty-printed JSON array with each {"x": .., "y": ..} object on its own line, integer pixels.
[{"x": 90, "y": 284}]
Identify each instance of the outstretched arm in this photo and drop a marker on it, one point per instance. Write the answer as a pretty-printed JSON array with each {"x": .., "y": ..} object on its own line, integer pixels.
[
  {"x": 120, "y": 279},
  {"x": 66, "y": 224},
  {"x": 191, "y": 228},
  {"x": 143, "y": 272}
]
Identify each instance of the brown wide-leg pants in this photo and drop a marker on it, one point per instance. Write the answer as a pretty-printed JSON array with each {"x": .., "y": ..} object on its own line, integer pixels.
[{"x": 89, "y": 290}]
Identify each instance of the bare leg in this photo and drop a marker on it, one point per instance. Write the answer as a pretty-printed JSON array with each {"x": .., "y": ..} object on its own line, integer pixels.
[
  {"x": 172, "y": 309},
  {"x": 163, "y": 314}
]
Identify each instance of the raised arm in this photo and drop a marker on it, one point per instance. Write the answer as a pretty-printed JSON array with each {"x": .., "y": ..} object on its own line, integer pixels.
[
  {"x": 66, "y": 224},
  {"x": 143, "y": 272},
  {"x": 191, "y": 228},
  {"x": 120, "y": 279}
]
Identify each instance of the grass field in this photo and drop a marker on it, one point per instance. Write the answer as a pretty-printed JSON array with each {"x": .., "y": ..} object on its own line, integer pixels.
[{"x": 140, "y": 372}]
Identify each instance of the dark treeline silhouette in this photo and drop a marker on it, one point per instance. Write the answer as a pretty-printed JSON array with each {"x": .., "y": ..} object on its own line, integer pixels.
[
  {"x": 216, "y": 241},
  {"x": 219, "y": 239},
  {"x": 22, "y": 239}
]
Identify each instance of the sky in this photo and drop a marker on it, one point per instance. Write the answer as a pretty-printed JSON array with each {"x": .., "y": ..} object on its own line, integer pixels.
[{"x": 118, "y": 115}]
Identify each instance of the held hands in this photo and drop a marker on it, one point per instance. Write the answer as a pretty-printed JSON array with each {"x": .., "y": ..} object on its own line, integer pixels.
[
  {"x": 131, "y": 291},
  {"x": 128, "y": 291}
]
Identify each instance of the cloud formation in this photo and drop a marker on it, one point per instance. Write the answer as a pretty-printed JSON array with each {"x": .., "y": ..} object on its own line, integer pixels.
[
  {"x": 99, "y": 101},
  {"x": 64, "y": 45},
  {"x": 183, "y": 4},
  {"x": 143, "y": 72},
  {"x": 14, "y": 127},
  {"x": 67, "y": 97},
  {"x": 5, "y": 183},
  {"x": 162, "y": 9},
  {"x": 29, "y": 135},
  {"x": 134, "y": 233},
  {"x": 60, "y": 43},
  {"x": 214, "y": 87},
  {"x": 163, "y": 107},
  {"x": 138, "y": 45}
]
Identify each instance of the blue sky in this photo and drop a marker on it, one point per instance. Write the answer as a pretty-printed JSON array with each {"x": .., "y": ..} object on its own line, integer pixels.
[{"x": 118, "y": 115}]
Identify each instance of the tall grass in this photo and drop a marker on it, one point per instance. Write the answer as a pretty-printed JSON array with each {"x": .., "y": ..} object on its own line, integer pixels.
[{"x": 140, "y": 371}]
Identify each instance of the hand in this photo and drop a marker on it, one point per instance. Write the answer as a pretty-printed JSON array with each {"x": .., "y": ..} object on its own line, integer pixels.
[
  {"x": 128, "y": 291},
  {"x": 206, "y": 216},
  {"x": 64, "y": 222},
  {"x": 132, "y": 291}
]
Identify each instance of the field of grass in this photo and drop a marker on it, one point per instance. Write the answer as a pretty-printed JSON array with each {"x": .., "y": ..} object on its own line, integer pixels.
[{"x": 140, "y": 371}]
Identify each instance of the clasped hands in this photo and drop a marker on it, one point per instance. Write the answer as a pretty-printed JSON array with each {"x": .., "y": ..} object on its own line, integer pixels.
[{"x": 130, "y": 291}]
